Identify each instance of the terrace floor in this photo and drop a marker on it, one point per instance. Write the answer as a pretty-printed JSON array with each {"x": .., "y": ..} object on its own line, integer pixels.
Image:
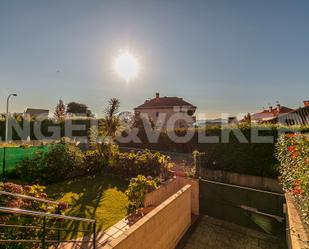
[{"x": 210, "y": 233}]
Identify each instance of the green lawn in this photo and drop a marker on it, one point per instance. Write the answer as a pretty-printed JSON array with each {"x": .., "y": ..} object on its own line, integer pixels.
[{"x": 98, "y": 197}]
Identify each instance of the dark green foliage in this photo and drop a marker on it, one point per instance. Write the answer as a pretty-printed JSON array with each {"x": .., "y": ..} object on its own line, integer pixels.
[
  {"x": 128, "y": 165},
  {"x": 44, "y": 126},
  {"x": 228, "y": 154},
  {"x": 62, "y": 161},
  {"x": 75, "y": 108},
  {"x": 94, "y": 162}
]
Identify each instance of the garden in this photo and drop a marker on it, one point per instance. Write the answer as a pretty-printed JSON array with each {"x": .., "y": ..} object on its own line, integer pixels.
[
  {"x": 100, "y": 183},
  {"x": 104, "y": 183}
]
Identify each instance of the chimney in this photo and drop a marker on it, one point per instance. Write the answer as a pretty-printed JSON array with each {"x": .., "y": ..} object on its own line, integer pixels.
[
  {"x": 306, "y": 103},
  {"x": 157, "y": 96}
]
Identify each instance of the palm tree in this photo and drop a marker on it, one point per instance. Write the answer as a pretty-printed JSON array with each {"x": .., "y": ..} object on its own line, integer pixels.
[{"x": 111, "y": 121}]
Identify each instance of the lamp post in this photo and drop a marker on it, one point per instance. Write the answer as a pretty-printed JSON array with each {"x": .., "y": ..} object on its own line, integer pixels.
[{"x": 7, "y": 116}]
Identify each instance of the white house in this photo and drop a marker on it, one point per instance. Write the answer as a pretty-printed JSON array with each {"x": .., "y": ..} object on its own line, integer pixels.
[{"x": 168, "y": 112}]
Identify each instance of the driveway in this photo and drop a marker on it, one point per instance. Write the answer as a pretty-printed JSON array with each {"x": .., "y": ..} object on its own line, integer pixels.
[{"x": 209, "y": 233}]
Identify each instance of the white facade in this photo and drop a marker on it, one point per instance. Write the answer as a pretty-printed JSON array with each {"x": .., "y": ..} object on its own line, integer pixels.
[{"x": 168, "y": 112}]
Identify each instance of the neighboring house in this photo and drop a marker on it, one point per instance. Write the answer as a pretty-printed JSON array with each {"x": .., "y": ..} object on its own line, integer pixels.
[
  {"x": 161, "y": 109},
  {"x": 211, "y": 122},
  {"x": 37, "y": 113},
  {"x": 299, "y": 116},
  {"x": 271, "y": 113}
]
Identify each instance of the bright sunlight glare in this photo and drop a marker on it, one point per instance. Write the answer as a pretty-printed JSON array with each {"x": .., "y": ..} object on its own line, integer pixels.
[{"x": 127, "y": 66}]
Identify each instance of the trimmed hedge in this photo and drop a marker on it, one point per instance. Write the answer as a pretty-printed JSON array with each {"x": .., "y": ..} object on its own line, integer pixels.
[
  {"x": 45, "y": 125},
  {"x": 245, "y": 158}
]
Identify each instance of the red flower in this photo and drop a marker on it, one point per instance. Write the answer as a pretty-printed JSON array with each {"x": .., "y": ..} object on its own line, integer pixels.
[
  {"x": 291, "y": 148},
  {"x": 294, "y": 155},
  {"x": 297, "y": 190},
  {"x": 12, "y": 187},
  {"x": 294, "y": 134}
]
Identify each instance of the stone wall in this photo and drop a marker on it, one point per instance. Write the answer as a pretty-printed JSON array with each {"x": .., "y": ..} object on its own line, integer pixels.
[{"x": 162, "y": 228}]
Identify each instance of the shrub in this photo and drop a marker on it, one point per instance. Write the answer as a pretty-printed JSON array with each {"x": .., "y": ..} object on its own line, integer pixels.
[
  {"x": 137, "y": 190},
  {"x": 17, "y": 202},
  {"x": 62, "y": 161},
  {"x": 293, "y": 155},
  {"x": 131, "y": 164},
  {"x": 94, "y": 162},
  {"x": 29, "y": 190}
]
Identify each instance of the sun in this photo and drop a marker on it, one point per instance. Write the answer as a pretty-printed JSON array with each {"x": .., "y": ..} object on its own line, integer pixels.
[{"x": 127, "y": 66}]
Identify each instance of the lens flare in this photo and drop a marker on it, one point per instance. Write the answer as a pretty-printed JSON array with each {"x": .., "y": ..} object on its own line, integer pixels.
[{"x": 127, "y": 66}]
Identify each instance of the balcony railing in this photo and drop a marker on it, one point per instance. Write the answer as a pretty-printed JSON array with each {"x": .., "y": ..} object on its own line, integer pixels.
[{"x": 45, "y": 229}]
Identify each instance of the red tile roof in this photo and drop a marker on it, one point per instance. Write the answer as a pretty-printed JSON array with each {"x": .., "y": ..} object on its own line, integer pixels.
[
  {"x": 164, "y": 102},
  {"x": 274, "y": 113}
]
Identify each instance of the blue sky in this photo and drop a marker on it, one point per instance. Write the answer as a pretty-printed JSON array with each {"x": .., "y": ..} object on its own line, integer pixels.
[{"x": 231, "y": 56}]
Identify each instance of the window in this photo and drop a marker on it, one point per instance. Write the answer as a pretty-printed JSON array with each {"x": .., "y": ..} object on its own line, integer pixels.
[{"x": 157, "y": 114}]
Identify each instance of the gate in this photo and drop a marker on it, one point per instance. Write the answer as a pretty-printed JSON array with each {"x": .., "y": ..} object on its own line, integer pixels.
[{"x": 256, "y": 209}]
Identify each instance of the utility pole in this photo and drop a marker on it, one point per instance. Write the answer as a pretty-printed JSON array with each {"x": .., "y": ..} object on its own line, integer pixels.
[{"x": 7, "y": 116}]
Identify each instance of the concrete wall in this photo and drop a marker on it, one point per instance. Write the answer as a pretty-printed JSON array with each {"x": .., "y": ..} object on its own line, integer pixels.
[
  {"x": 162, "y": 228},
  {"x": 258, "y": 182},
  {"x": 166, "y": 190},
  {"x": 297, "y": 236},
  {"x": 169, "y": 188}
]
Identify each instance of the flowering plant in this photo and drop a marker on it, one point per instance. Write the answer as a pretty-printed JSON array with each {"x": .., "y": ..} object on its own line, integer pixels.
[
  {"x": 293, "y": 155},
  {"x": 137, "y": 190},
  {"x": 7, "y": 220}
]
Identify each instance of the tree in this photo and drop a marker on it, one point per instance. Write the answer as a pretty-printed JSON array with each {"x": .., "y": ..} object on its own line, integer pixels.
[
  {"x": 60, "y": 111},
  {"x": 80, "y": 109},
  {"x": 111, "y": 121},
  {"x": 247, "y": 119}
]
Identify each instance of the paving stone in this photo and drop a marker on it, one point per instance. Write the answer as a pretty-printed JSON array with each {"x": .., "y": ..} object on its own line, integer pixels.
[{"x": 212, "y": 234}]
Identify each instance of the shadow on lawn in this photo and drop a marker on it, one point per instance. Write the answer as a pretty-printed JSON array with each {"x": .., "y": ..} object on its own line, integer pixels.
[{"x": 84, "y": 196}]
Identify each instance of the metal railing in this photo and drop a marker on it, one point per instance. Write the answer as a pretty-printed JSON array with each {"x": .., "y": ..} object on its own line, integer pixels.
[
  {"x": 28, "y": 197},
  {"x": 41, "y": 237}
]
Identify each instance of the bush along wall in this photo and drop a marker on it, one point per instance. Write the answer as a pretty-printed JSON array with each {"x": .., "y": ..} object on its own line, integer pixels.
[
  {"x": 128, "y": 165},
  {"x": 64, "y": 161},
  {"x": 293, "y": 154},
  {"x": 60, "y": 162},
  {"x": 229, "y": 153}
]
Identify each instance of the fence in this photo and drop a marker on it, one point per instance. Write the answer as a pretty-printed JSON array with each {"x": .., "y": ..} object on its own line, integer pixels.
[
  {"x": 247, "y": 207},
  {"x": 11, "y": 156},
  {"x": 257, "y": 182}
]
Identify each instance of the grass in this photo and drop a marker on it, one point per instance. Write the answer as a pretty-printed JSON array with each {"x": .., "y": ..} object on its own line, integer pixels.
[{"x": 95, "y": 197}]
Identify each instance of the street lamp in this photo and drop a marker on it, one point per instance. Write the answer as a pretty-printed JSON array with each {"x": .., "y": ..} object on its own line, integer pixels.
[{"x": 7, "y": 116}]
